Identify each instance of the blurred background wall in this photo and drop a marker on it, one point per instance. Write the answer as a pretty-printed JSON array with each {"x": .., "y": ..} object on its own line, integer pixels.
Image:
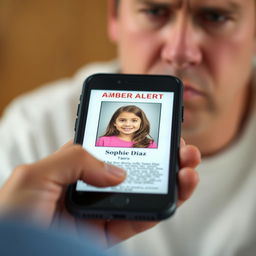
[{"x": 43, "y": 40}]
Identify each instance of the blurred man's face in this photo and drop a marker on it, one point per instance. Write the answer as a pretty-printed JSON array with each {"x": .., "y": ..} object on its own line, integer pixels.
[{"x": 209, "y": 44}]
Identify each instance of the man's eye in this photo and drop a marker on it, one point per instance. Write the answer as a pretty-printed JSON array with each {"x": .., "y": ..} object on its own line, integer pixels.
[
  {"x": 156, "y": 12},
  {"x": 214, "y": 17}
]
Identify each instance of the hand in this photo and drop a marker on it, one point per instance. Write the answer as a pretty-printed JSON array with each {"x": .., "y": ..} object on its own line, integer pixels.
[{"x": 37, "y": 190}]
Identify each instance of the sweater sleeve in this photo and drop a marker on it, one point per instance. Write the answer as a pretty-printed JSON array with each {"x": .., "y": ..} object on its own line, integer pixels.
[{"x": 34, "y": 126}]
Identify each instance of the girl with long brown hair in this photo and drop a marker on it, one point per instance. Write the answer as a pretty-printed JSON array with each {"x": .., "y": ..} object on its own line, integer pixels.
[{"x": 128, "y": 127}]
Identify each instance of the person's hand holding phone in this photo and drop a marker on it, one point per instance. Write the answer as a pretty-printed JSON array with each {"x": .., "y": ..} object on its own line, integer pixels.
[{"x": 37, "y": 190}]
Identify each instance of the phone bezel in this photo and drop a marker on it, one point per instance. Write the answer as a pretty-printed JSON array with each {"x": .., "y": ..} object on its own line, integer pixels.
[{"x": 159, "y": 206}]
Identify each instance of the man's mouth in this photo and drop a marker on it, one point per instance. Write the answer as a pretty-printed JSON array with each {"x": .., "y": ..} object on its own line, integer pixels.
[{"x": 191, "y": 92}]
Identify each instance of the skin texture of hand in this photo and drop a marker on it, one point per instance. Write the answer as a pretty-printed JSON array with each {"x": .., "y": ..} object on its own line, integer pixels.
[{"x": 37, "y": 190}]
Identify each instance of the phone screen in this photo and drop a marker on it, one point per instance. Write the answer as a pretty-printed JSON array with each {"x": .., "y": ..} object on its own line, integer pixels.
[{"x": 132, "y": 130}]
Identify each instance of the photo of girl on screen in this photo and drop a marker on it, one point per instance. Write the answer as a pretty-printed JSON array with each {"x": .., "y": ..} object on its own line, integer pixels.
[{"x": 128, "y": 127}]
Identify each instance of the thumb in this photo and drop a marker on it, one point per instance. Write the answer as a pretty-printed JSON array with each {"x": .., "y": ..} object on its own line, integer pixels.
[{"x": 73, "y": 163}]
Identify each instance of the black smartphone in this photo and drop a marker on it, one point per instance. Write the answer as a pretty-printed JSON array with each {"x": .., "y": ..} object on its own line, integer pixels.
[{"x": 134, "y": 122}]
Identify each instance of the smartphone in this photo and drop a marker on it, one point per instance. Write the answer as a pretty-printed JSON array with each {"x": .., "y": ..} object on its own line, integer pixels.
[{"x": 134, "y": 122}]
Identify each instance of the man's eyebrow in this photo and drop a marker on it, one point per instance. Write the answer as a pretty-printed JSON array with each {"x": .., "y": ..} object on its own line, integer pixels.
[
  {"x": 173, "y": 4},
  {"x": 230, "y": 5},
  {"x": 233, "y": 5}
]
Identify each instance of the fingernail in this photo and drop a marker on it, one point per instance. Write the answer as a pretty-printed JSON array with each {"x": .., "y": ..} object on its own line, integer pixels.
[{"x": 116, "y": 171}]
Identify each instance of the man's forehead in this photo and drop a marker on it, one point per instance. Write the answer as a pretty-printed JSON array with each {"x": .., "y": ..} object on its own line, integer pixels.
[{"x": 179, "y": 3}]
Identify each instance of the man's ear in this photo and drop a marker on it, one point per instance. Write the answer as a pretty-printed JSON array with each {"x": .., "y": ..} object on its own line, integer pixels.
[{"x": 112, "y": 20}]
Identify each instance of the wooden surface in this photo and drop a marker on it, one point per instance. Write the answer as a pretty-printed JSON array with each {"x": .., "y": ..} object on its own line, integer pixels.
[{"x": 42, "y": 40}]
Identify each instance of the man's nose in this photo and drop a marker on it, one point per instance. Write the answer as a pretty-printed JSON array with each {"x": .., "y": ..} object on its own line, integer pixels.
[{"x": 181, "y": 46}]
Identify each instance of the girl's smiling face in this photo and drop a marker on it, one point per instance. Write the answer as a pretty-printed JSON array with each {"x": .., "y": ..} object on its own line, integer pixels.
[{"x": 127, "y": 123}]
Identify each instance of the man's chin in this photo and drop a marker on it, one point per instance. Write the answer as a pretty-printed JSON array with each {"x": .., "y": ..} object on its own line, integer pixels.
[{"x": 191, "y": 123}]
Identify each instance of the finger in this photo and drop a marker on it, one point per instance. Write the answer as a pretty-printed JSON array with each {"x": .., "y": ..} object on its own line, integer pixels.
[
  {"x": 182, "y": 142},
  {"x": 189, "y": 156},
  {"x": 188, "y": 180},
  {"x": 73, "y": 163}
]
